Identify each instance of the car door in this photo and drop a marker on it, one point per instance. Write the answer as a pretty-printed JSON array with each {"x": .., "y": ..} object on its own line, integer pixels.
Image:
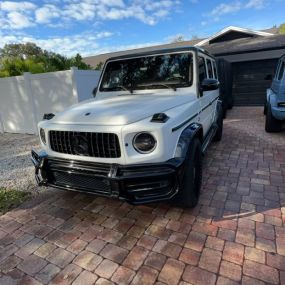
[
  {"x": 205, "y": 97},
  {"x": 213, "y": 93}
]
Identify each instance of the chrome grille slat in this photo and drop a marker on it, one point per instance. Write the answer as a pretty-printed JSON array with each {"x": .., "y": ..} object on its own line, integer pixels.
[{"x": 104, "y": 145}]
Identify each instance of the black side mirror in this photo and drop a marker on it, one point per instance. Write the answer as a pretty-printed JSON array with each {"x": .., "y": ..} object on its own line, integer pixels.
[
  {"x": 48, "y": 116},
  {"x": 209, "y": 84},
  {"x": 94, "y": 91},
  {"x": 268, "y": 77}
]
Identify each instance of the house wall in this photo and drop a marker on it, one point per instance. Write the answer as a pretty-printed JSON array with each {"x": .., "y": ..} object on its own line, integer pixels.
[{"x": 24, "y": 99}]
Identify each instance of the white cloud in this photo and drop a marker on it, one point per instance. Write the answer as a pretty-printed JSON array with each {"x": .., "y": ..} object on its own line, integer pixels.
[
  {"x": 18, "y": 15},
  {"x": 46, "y": 13},
  {"x": 223, "y": 9},
  {"x": 16, "y": 6},
  {"x": 256, "y": 4},
  {"x": 56, "y": 13},
  {"x": 84, "y": 44},
  {"x": 16, "y": 20},
  {"x": 231, "y": 8}
]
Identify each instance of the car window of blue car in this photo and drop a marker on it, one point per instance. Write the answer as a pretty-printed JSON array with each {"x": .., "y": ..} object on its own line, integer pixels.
[{"x": 281, "y": 70}]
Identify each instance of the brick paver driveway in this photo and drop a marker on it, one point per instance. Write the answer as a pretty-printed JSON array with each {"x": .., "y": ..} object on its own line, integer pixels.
[{"x": 236, "y": 234}]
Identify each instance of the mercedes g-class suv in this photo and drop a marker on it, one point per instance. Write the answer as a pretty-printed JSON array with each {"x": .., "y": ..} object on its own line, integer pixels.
[
  {"x": 142, "y": 137},
  {"x": 274, "y": 108}
]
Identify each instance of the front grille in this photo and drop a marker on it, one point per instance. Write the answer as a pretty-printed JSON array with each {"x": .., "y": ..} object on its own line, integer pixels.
[
  {"x": 82, "y": 182},
  {"x": 85, "y": 143}
]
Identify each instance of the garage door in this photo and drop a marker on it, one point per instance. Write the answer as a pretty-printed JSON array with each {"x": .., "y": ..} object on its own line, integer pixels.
[{"x": 250, "y": 83}]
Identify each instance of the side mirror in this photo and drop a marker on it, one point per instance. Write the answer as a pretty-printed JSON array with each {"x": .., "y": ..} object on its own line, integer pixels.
[
  {"x": 268, "y": 77},
  {"x": 94, "y": 91},
  {"x": 209, "y": 84}
]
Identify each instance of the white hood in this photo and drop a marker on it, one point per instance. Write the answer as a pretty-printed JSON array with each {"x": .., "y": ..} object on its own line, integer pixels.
[{"x": 119, "y": 110}]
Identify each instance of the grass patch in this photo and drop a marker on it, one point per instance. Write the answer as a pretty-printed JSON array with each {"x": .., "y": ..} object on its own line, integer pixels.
[{"x": 11, "y": 198}]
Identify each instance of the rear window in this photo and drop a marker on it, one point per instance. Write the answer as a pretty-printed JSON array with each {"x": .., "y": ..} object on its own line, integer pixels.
[
  {"x": 215, "y": 70},
  {"x": 209, "y": 67},
  {"x": 202, "y": 69}
]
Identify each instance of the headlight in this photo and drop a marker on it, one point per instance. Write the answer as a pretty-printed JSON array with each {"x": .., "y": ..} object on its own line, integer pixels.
[
  {"x": 43, "y": 135},
  {"x": 144, "y": 142}
]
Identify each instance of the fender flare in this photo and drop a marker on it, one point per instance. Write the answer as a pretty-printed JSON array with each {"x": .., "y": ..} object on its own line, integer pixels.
[
  {"x": 194, "y": 130},
  {"x": 219, "y": 110}
]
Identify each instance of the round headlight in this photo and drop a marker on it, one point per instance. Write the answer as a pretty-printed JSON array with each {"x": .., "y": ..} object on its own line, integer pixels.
[
  {"x": 144, "y": 142},
  {"x": 43, "y": 135}
]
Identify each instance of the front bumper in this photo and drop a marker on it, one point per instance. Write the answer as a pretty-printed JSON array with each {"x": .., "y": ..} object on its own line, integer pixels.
[
  {"x": 279, "y": 112},
  {"x": 137, "y": 184}
]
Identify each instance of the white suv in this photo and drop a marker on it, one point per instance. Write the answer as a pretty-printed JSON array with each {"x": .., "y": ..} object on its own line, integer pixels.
[{"x": 142, "y": 137}]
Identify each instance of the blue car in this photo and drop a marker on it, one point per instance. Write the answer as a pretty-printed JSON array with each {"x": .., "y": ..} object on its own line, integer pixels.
[{"x": 275, "y": 103}]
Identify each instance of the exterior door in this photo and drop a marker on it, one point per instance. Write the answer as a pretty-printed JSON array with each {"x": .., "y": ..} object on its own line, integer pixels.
[{"x": 250, "y": 81}]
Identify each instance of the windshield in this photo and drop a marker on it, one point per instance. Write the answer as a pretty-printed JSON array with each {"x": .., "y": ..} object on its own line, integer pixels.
[{"x": 149, "y": 72}]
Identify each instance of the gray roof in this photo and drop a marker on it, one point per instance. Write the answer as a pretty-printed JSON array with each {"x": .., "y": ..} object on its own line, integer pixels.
[
  {"x": 246, "y": 45},
  {"x": 220, "y": 48},
  {"x": 94, "y": 60}
]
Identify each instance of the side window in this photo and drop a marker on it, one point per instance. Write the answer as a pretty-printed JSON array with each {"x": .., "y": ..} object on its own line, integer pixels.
[
  {"x": 202, "y": 69},
  {"x": 209, "y": 68},
  {"x": 215, "y": 70},
  {"x": 281, "y": 71},
  {"x": 277, "y": 69}
]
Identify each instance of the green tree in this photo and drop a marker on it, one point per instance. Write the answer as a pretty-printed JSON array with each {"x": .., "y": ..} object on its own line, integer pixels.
[
  {"x": 99, "y": 66},
  {"x": 282, "y": 29},
  {"x": 77, "y": 61},
  {"x": 18, "y": 58},
  {"x": 178, "y": 38},
  {"x": 21, "y": 50}
]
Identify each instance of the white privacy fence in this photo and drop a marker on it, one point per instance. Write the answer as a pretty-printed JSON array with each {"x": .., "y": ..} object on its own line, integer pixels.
[{"x": 24, "y": 99}]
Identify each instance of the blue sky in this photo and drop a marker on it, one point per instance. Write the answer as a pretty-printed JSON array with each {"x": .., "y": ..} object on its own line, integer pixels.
[{"x": 97, "y": 26}]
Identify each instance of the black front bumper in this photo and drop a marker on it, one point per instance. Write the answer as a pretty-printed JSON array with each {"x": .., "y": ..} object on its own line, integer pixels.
[{"x": 137, "y": 184}]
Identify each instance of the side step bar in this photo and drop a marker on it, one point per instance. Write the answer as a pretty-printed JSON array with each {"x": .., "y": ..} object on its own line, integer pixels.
[{"x": 209, "y": 137}]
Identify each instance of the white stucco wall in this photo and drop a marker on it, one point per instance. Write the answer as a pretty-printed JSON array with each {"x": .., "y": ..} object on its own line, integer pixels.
[
  {"x": 86, "y": 81},
  {"x": 24, "y": 99}
]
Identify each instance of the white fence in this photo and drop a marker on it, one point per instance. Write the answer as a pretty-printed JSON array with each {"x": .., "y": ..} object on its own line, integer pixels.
[{"x": 24, "y": 99}]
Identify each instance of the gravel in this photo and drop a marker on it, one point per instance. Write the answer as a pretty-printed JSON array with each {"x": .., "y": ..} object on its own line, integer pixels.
[{"x": 16, "y": 168}]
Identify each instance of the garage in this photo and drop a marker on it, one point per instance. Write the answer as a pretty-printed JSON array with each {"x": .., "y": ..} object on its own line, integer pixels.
[{"x": 250, "y": 81}]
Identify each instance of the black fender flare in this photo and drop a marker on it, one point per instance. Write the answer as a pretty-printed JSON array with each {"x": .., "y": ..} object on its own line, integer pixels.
[
  {"x": 219, "y": 110},
  {"x": 194, "y": 130}
]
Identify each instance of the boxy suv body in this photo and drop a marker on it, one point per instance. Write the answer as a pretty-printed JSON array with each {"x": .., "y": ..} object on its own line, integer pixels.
[
  {"x": 275, "y": 103},
  {"x": 142, "y": 137}
]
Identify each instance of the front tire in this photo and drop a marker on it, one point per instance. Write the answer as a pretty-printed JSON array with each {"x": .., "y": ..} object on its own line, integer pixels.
[
  {"x": 272, "y": 125},
  {"x": 265, "y": 108},
  {"x": 189, "y": 191}
]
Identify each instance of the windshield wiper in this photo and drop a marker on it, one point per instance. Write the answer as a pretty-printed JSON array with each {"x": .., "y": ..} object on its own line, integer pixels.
[
  {"x": 169, "y": 86},
  {"x": 125, "y": 88}
]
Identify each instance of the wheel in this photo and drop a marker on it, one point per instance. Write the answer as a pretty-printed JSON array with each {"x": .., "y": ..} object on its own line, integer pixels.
[
  {"x": 224, "y": 113},
  {"x": 189, "y": 191},
  {"x": 265, "y": 108},
  {"x": 219, "y": 133},
  {"x": 224, "y": 107},
  {"x": 230, "y": 105},
  {"x": 272, "y": 125}
]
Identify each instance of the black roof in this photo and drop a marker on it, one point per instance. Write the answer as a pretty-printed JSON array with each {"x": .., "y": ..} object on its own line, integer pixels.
[
  {"x": 246, "y": 45},
  {"x": 161, "y": 51}
]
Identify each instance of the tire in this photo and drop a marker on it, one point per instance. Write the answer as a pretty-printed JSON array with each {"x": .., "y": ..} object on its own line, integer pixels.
[
  {"x": 265, "y": 108},
  {"x": 272, "y": 125},
  {"x": 189, "y": 191},
  {"x": 230, "y": 105},
  {"x": 219, "y": 133},
  {"x": 224, "y": 106}
]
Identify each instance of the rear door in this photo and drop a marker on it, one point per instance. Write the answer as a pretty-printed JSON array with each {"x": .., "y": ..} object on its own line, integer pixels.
[{"x": 205, "y": 97}]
